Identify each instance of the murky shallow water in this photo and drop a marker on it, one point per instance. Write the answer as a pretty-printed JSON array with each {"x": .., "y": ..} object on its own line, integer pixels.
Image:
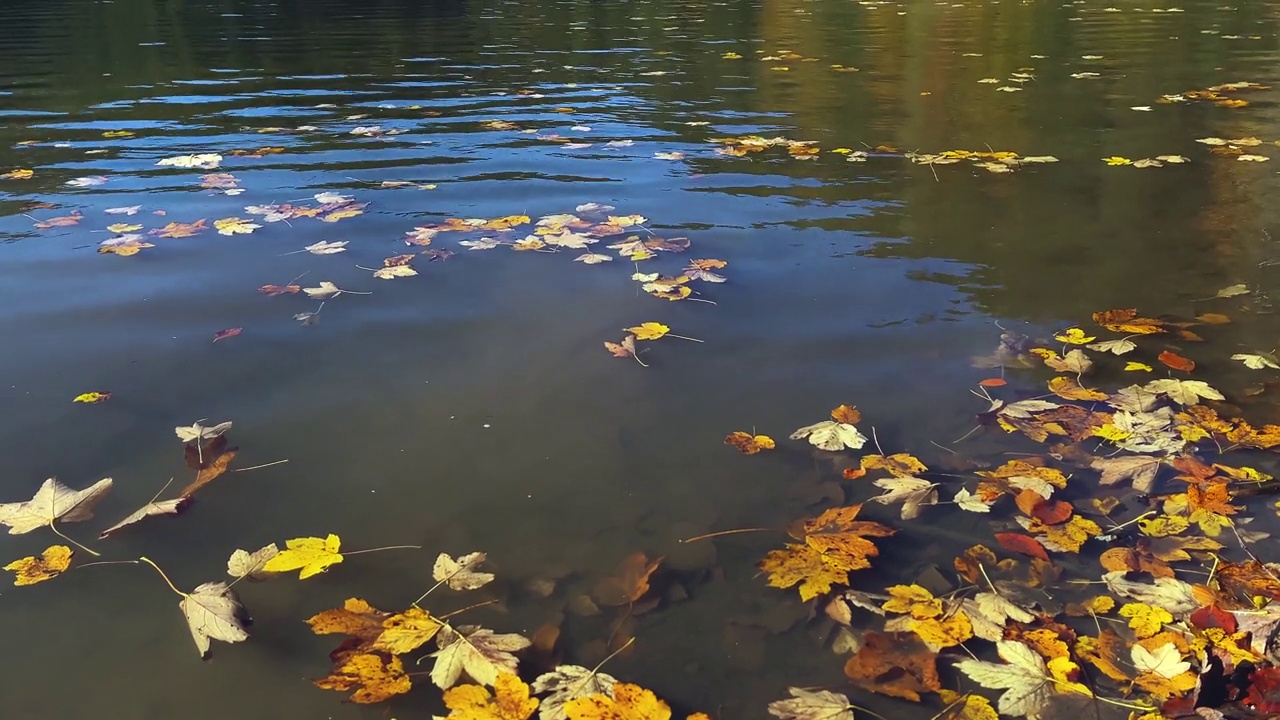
[{"x": 472, "y": 407}]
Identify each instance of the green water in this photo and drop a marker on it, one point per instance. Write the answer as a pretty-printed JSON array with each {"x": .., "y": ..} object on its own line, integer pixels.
[{"x": 472, "y": 407}]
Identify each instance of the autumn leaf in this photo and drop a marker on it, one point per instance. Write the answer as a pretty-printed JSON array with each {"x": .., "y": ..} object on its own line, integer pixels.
[
  {"x": 1115, "y": 347},
  {"x": 1176, "y": 361},
  {"x": 1022, "y": 544},
  {"x": 913, "y": 493},
  {"x": 749, "y": 444},
  {"x": 53, "y": 502},
  {"x": 213, "y": 612},
  {"x": 93, "y": 398},
  {"x": 1183, "y": 392},
  {"x": 899, "y": 465},
  {"x": 1027, "y": 682},
  {"x": 1257, "y": 361},
  {"x": 228, "y": 333},
  {"x": 894, "y": 664},
  {"x": 356, "y": 618},
  {"x": 1145, "y": 620},
  {"x": 567, "y": 683},
  {"x": 215, "y": 468},
  {"x": 48, "y": 565},
  {"x": 648, "y": 331},
  {"x": 124, "y": 246},
  {"x": 248, "y": 565},
  {"x": 630, "y": 584},
  {"x": 376, "y": 676},
  {"x": 510, "y": 701},
  {"x": 22, "y": 174},
  {"x": 407, "y": 631},
  {"x": 310, "y": 555},
  {"x": 153, "y": 508},
  {"x": 1141, "y": 470},
  {"x": 835, "y": 434},
  {"x": 327, "y": 247},
  {"x": 234, "y": 226},
  {"x": 181, "y": 230},
  {"x": 966, "y": 707},
  {"x": 1068, "y": 389},
  {"x": 624, "y": 349},
  {"x": 628, "y": 702},
  {"x": 1075, "y": 361},
  {"x": 197, "y": 432},
  {"x": 274, "y": 290},
  {"x": 812, "y": 705},
  {"x": 461, "y": 574},
  {"x": 802, "y": 565},
  {"x": 203, "y": 161},
  {"x": 480, "y": 652}
]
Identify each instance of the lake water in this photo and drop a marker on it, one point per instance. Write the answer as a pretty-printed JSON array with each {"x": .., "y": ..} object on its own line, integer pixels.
[{"x": 472, "y": 406}]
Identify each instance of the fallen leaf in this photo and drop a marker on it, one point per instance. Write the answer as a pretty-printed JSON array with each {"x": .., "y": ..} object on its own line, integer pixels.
[
  {"x": 327, "y": 248},
  {"x": 1115, "y": 347},
  {"x": 22, "y": 174},
  {"x": 181, "y": 230},
  {"x": 214, "y": 612},
  {"x": 833, "y": 435},
  {"x": 1145, "y": 620},
  {"x": 53, "y": 502},
  {"x": 376, "y": 676},
  {"x": 648, "y": 330},
  {"x": 894, "y": 664},
  {"x": 273, "y": 290},
  {"x": 911, "y": 492},
  {"x": 480, "y": 652},
  {"x": 510, "y": 701},
  {"x": 93, "y": 398},
  {"x": 356, "y": 618},
  {"x": 461, "y": 574},
  {"x": 122, "y": 228},
  {"x": 196, "y": 431},
  {"x": 50, "y": 564},
  {"x": 1183, "y": 392},
  {"x": 407, "y": 631},
  {"x": 162, "y": 507},
  {"x": 630, "y": 584},
  {"x": 394, "y": 271},
  {"x": 234, "y": 226},
  {"x": 1176, "y": 361},
  {"x": 749, "y": 444},
  {"x": 249, "y": 565},
  {"x": 812, "y": 705},
  {"x": 1023, "y": 676},
  {"x": 1068, "y": 389},
  {"x": 1074, "y": 336},
  {"x": 310, "y": 555},
  {"x": 626, "y": 348},
  {"x": 228, "y": 333},
  {"x": 1233, "y": 291},
  {"x": 203, "y": 161},
  {"x": 212, "y": 470},
  {"x": 1023, "y": 544},
  {"x": 567, "y": 683},
  {"x": 1164, "y": 661},
  {"x": 1140, "y": 469},
  {"x": 1256, "y": 361},
  {"x": 628, "y": 702}
]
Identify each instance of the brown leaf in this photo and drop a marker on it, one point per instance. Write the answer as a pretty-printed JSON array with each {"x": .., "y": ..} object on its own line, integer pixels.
[
  {"x": 894, "y": 664},
  {"x": 162, "y": 507},
  {"x": 1049, "y": 512},
  {"x": 209, "y": 473},
  {"x": 846, "y": 414},
  {"x": 630, "y": 584}
]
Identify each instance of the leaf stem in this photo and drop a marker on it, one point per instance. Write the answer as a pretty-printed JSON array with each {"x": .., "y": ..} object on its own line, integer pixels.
[
  {"x": 706, "y": 536},
  {"x": 469, "y": 607},
  {"x": 167, "y": 581},
  {"x": 379, "y": 549},
  {"x": 682, "y": 337},
  {"x": 259, "y": 467},
  {"x": 58, "y": 532}
]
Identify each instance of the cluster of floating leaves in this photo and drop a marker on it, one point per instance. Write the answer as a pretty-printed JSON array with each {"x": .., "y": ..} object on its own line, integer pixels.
[{"x": 1148, "y": 479}]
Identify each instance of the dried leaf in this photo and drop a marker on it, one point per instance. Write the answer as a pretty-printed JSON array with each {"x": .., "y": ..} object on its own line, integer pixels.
[
  {"x": 812, "y": 705},
  {"x": 479, "y": 652},
  {"x": 162, "y": 507},
  {"x": 378, "y": 678},
  {"x": 510, "y": 701},
  {"x": 50, "y": 564},
  {"x": 749, "y": 444},
  {"x": 214, "y": 612},
  {"x": 214, "y": 469},
  {"x": 567, "y": 683},
  {"x": 53, "y": 502},
  {"x": 249, "y": 565},
  {"x": 461, "y": 574},
  {"x": 356, "y": 618},
  {"x": 407, "y": 631},
  {"x": 894, "y": 664}
]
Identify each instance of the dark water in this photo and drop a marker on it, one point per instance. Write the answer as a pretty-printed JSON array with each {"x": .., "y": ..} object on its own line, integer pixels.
[{"x": 472, "y": 407}]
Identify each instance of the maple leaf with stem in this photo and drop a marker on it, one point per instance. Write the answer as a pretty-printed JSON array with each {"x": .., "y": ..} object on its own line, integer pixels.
[{"x": 509, "y": 701}]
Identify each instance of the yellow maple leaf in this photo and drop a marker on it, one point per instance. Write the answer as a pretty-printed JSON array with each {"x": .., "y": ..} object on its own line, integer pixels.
[
  {"x": 1163, "y": 525},
  {"x": 378, "y": 678},
  {"x": 22, "y": 174},
  {"x": 1109, "y": 431},
  {"x": 898, "y": 464},
  {"x": 1145, "y": 620},
  {"x": 341, "y": 214},
  {"x": 913, "y": 599},
  {"x": 1165, "y": 688},
  {"x": 1062, "y": 669},
  {"x": 121, "y": 228},
  {"x": 310, "y": 555},
  {"x": 803, "y": 565},
  {"x": 92, "y": 398},
  {"x": 407, "y": 631},
  {"x": 356, "y": 618},
  {"x": 1068, "y": 389},
  {"x": 235, "y": 226},
  {"x": 1074, "y": 336},
  {"x": 510, "y": 701},
  {"x": 1066, "y": 537},
  {"x": 1137, "y": 367},
  {"x": 842, "y": 540},
  {"x": 648, "y": 330},
  {"x": 50, "y": 564},
  {"x": 1117, "y": 160},
  {"x": 943, "y": 632},
  {"x": 1100, "y": 605},
  {"x": 1211, "y": 523},
  {"x": 966, "y": 707},
  {"x": 629, "y": 702}
]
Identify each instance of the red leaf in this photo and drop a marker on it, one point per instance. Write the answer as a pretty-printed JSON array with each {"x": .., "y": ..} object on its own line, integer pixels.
[
  {"x": 993, "y": 382},
  {"x": 224, "y": 334},
  {"x": 1024, "y": 544},
  {"x": 1176, "y": 361},
  {"x": 1264, "y": 690},
  {"x": 1213, "y": 616}
]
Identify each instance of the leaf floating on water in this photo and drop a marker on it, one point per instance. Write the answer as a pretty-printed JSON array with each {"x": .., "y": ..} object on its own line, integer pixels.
[
  {"x": 249, "y": 565},
  {"x": 327, "y": 248},
  {"x": 22, "y": 174},
  {"x": 64, "y": 221},
  {"x": 93, "y": 398},
  {"x": 235, "y": 226},
  {"x": 1074, "y": 336},
  {"x": 121, "y": 228},
  {"x": 1024, "y": 677},
  {"x": 378, "y": 678},
  {"x": 835, "y": 434},
  {"x": 181, "y": 230},
  {"x": 628, "y": 702},
  {"x": 1184, "y": 392},
  {"x": 911, "y": 492},
  {"x": 129, "y": 210},
  {"x": 214, "y": 612},
  {"x": 309, "y": 555},
  {"x": 90, "y": 181},
  {"x": 1115, "y": 347},
  {"x": 53, "y": 502},
  {"x": 1176, "y": 361},
  {"x": 749, "y": 444},
  {"x": 211, "y": 470},
  {"x": 392, "y": 272},
  {"x": 196, "y": 431},
  {"x": 812, "y": 705},
  {"x": 567, "y": 683},
  {"x": 274, "y": 290},
  {"x": 407, "y": 631},
  {"x": 203, "y": 161},
  {"x": 593, "y": 258},
  {"x": 48, "y": 565},
  {"x": 124, "y": 246},
  {"x": 1233, "y": 291},
  {"x": 479, "y": 652},
  {"x": 1257, "y": 361},
  {"x": 510, "y": 701},
  {"x": 162, "y": 507},
  {"x": 228, "y": 333},
  {"x": 356, "y": 618},
  {"x": 461, "y": 574}
]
